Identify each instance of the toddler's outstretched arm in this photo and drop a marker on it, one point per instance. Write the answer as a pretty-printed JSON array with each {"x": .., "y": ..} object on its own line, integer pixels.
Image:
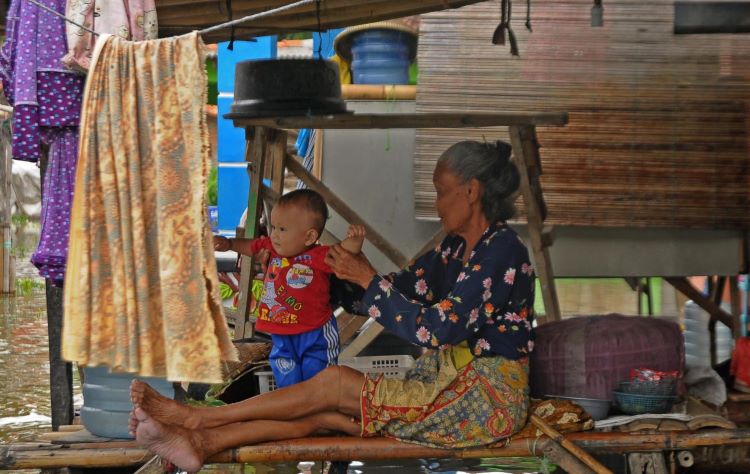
[
  {"x": 355, "y": 237},
  {"x": 241, "y": 246}
]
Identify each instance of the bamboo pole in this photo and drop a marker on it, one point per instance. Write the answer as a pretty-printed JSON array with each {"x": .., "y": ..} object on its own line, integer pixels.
[
  {"x": 684, "y": 287},
  {"x": 378, "y": 92},
  {"x": 579, "y": 453}
]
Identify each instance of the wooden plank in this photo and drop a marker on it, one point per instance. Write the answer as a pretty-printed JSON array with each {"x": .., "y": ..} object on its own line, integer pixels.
[
  {"x": 432, "y": 120},
  {"x": 318, "y": 155},
  {"x": 684, "y": 287},
  {"x": 345, "y": 211},
  {"x": 526, "y": 153}
]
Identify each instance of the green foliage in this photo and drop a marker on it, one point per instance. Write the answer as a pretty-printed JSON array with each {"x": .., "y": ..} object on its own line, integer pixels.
[
  {"x": 212, "y": 195},
  {"x": 27, "y": 286},
  {"x": 19, "y": 220}
]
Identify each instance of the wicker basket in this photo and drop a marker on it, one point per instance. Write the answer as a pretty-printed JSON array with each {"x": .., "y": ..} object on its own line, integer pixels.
[
  {"x": 664, "y": 387},
  {"x": 638, "y": 404}
]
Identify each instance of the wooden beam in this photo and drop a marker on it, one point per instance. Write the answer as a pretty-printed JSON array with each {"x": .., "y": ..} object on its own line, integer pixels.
[
  {"x": 345, "y": 211},
  {"x": 685, "y": 287},
  {"x": 526, "y": 153},
  {"x": 735, "y": 305},
  {"x": 431, "y": 120}
]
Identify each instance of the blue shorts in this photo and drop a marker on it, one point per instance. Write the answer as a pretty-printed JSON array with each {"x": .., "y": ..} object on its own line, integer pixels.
[{"x": 298, "y": 357}]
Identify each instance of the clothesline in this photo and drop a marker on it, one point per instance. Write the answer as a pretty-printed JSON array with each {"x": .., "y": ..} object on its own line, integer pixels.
[{"x": 211, "y": 29}]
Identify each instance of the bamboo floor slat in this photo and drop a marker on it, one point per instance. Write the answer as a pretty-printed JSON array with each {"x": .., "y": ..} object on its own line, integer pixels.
[{"x": 122, "y": 454}]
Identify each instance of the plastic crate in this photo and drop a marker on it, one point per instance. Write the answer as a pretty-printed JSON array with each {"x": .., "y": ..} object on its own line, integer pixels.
[
  {"x": 392, "y": 366},
  {"x": 266, "y": 382}
]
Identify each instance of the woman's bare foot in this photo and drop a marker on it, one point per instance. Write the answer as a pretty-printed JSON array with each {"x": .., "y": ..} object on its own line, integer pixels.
[
  {"x": 161, "y": 408},
  {"x": 172, "y": 443}
]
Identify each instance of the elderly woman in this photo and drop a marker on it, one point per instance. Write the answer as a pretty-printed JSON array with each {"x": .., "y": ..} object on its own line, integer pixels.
[{"x": 470, "y": 300}]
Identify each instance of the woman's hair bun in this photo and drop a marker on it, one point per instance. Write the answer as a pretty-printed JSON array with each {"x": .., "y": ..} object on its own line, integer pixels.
[{"x": 503, "y": 150}]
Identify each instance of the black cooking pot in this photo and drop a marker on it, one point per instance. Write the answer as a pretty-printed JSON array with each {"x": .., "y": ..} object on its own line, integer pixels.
[{"x": 286, "y": 87}]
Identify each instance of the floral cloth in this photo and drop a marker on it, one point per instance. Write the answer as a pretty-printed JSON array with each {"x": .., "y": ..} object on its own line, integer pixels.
[
  {"x": 142, "y": 292},
  {"x": 438, "y": 405},
  {"x": 133, "y": 20},
  {"x": 439, "y": 301},
  {"x": 47, "y": 104}
]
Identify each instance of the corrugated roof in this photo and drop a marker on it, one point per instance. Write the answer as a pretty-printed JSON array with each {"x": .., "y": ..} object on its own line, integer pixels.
[{"x": 182, "y": 16}]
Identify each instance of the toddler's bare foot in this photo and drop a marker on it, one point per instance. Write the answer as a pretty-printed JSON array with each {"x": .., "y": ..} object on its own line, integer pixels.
[
  {"x": 172, "y": 443},
  {"x": 161, "y": 408}
]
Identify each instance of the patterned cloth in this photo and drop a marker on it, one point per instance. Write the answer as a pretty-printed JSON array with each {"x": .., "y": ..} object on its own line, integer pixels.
[
  {"x": 141, "y": 294},
  {"x": 133, "y": 20},
  {"x": 438, "y": 405},
  {"x": 439, "y": 301}
]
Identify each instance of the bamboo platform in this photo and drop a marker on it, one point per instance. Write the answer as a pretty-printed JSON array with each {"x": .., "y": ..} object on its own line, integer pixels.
[{"x": 78, "y": 449}]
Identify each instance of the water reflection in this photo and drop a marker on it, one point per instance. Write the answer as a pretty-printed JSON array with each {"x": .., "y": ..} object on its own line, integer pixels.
[{"x": 24, "y": 367}]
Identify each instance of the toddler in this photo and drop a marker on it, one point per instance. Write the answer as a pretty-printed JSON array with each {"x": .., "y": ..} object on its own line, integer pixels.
[{"x": 294, "y": 306}]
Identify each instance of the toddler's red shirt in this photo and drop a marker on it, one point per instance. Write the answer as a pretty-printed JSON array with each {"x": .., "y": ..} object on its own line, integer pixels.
[{"x": 296, "y": 291}]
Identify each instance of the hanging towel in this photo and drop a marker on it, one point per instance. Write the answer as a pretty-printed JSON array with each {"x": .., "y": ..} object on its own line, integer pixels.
[
  {"x": 141, "y": 293},
  {"x": 133, "y": 20}
]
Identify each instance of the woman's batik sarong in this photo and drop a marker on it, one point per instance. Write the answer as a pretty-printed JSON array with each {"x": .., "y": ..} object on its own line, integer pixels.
[{"x": 438, "y": 405}]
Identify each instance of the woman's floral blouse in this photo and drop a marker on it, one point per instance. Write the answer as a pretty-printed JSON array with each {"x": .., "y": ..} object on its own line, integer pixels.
[{"x": 437, "y": 300}]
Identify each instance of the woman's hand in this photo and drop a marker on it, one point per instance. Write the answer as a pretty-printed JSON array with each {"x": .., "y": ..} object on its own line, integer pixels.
[
  {"x": 347, "y": 266},
  {"x": 221, "y": 244}
]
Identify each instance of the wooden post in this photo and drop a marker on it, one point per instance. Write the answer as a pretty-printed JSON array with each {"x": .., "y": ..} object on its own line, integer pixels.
[
  {"x": 579, "y": 453},
  {"x": 736, "y": 305},
  {"x": 7, "y": 277},
  {"x": 60, "y": 371},
  {"x": 526, "y": 153}
]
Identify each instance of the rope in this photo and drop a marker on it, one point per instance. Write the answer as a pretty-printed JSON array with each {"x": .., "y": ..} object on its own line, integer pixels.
[{"x": 204, "y": 31}]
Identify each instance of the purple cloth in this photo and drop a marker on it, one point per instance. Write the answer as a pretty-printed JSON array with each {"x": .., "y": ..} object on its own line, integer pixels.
[
  {"x": 47, "y": 105},
  {"x": 52, "y": 252}
]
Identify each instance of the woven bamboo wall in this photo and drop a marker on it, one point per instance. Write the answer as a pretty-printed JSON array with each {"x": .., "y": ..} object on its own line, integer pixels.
[{"x": 658, "y": 123}]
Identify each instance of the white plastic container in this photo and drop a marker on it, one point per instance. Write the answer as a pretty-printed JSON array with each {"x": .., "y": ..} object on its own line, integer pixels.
[{"x": 106, "y": 400}]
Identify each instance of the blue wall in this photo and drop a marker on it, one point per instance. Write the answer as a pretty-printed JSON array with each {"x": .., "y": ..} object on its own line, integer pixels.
[{"x": 233, "y": 185}]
